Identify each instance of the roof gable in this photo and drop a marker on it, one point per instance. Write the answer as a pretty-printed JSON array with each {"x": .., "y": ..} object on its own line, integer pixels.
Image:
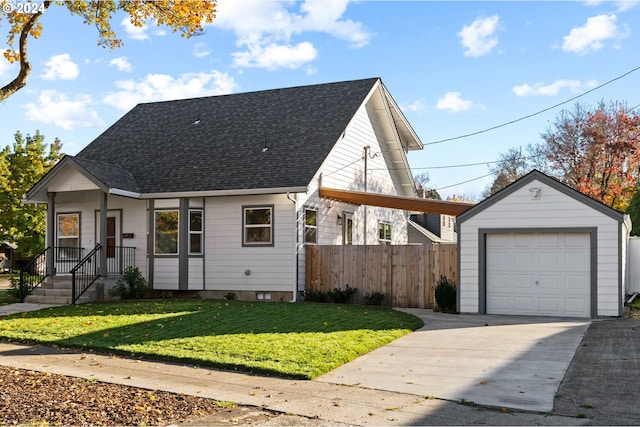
[
  {"x": 536, "y": 175},
  {"x": 257, "y": 140}
]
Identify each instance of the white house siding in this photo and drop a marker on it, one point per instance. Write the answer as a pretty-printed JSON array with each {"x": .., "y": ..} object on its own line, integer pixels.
[
  {"x": 344, "y": 169},
  {"x": 634, "y": 265},
  {"x": 71, "y": 180},
  {"x": 555, "y": 210},
  {"x": 226, "y": 260},
  {"x": 165, "y": 273}
]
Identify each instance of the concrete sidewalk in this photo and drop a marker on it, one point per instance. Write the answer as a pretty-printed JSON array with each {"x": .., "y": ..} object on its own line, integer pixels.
[
  {"x": 299, "y": 402},
  {"x": 395, "y": 395}
]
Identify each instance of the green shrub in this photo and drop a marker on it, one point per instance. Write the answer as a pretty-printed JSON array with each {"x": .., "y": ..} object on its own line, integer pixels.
[
  {"x": 131, "y": 285},
  {"x": 315, "y": 296},
  {"x": 445, "y": 293},
  {"x": 374, "y": 298},
  {"x": 230, "y": 296},
  {"x": 341, "y": 296}
]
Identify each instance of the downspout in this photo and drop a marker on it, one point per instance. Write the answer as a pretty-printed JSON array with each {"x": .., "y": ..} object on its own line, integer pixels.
[{"x": 294, "y": 200}]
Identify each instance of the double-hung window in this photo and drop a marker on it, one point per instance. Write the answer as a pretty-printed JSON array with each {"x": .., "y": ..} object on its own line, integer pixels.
[
  {"x": 166, "y": 232},
  {"x": 68, "y": 236},
  {"x": 257, "y": 225},
  {"x": 384, "y": 232},
  {"x": 310, "y": 226},
  {"x": 195, "y": 231}
]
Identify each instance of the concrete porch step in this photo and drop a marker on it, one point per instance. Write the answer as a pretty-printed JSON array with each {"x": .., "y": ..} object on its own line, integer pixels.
[{"x": 57, "y": 290}]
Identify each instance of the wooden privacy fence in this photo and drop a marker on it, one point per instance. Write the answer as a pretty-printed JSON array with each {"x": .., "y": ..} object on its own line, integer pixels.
[{"x": 407, "y": 275}]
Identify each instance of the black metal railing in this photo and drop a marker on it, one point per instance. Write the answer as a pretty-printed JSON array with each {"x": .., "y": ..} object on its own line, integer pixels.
[
  {"x": 85, "y": 273},
  {"x": 33, "y": 274},
  {"x": 119, "y": 258},
  {"x": 66, "y": 258}
]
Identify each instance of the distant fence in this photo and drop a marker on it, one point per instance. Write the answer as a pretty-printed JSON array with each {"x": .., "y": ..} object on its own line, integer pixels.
[
  {"x": 407, "y": 275},
  {"x": 633, "y": 280}
]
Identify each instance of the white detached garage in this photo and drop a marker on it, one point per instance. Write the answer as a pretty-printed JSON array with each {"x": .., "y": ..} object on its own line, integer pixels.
[{"x": 541, "y": 248}]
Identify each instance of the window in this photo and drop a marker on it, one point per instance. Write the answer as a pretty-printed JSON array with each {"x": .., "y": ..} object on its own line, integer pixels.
[
  {"x": 310, "y": 226},
  {"x": 195, "y": 232},
  {"x": 384, "y": 232},
  {"x": 166, "y": 232},
  {"x": 258, "y": 226},
  {"x": 68, "y": 236}
]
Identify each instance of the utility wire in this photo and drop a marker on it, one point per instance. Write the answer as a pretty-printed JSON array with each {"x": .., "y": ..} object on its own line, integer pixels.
[
  {"x": 464, "y": 182},
  {"x": 536, "y": 113}
]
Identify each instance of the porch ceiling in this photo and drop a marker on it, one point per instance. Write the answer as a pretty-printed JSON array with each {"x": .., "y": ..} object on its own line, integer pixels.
[{"x": 396, "y": 202}]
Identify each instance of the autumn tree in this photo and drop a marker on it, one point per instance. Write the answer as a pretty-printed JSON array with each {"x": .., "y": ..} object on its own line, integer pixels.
[
  {"x": 21, "y": 166},
  {"x": 185, "y": 17},
  {"x": 595, "y": 151}
]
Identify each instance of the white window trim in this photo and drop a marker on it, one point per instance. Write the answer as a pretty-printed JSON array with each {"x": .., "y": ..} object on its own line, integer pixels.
[
  {"x": 245, "y": 226},
  {"x": 385, "y": 224},
  {"x": 177, "y": 252},
  {"x": 201, "y": 232},
  {"x": 312, "y": 227}
]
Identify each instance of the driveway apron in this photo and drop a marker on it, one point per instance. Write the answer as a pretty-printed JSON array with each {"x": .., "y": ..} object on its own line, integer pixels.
[{"x": 513, "y": 362}]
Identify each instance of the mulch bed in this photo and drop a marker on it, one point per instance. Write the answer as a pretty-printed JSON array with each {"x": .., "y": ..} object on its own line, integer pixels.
[{"x": 38, "y": 398}]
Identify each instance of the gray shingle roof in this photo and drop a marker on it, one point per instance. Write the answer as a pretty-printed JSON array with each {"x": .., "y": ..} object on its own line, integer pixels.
[{"x": 158, "y": 147}]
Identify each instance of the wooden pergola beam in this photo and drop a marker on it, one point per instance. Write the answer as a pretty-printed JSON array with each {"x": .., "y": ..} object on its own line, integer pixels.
[{"x": 395, "y": 202}]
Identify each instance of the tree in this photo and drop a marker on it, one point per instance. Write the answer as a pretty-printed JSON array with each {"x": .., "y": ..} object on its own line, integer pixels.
[
  {"x": 186, "y": 17},
  {"x": 512, "y": 165},
  {"x": 21, "y": 166},
  {"x": 595, "y": 151},
  {"x": 634, "y": 213},
  {"x": 422, "y": 181}
]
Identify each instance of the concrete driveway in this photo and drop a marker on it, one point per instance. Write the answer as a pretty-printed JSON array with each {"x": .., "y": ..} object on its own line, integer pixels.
[{"x": 503, "y": 361}]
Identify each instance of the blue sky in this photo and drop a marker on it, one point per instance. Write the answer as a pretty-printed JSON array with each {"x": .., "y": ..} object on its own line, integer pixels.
[{"x": 454, "y": 67}]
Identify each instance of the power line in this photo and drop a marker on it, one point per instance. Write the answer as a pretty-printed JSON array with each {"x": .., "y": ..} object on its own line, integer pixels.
[
  {"x": 534, "y": 114},
  {"x": 464, "y": 182}
]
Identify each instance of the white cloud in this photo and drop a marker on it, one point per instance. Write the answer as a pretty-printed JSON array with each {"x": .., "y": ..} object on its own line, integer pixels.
[
  {"x": 162, "y": 87},
  {"x": 275, "y": 56},
  {"x": 621, "y": 6},
  {"x": 416, "y": 106},
  {"x": 60, "y": 110},
  {"x": 136, "y": 33},
  {"x": 5, "y": 66},
  {"x": 121, "y": 63},
  {"x": 453, "y": 102},
  {"x": 60, "y": 67},
  {"x": 593, "y": 35},
  {"x": 575, "y": 86},
  {"x": 479, "y": 38},
  {"x": 200, "y": 50},
  {"x": 266, "y": 30}
]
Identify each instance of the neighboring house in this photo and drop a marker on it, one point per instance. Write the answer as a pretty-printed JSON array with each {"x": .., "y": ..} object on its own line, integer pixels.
[
  {"x": 539, "y": 247},
  {"x": 222, "y": 193},
  {"x": 428, "y": 228}
]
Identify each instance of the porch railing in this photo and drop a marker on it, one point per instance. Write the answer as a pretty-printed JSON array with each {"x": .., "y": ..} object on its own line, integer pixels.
[
  {"x": 119, "y": 258},
  {"x": 33, "y": 274},
  {"x": 68, "y": 260},
  {"x": 85, "y": 273}
]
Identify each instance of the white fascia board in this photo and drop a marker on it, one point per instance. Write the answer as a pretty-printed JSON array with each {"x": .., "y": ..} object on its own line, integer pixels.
[{"x": 219, "y": 193}]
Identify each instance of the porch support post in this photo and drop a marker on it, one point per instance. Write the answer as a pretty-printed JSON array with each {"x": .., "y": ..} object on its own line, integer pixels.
[
  {"x": 51, "y": 234},
  {"x": 103, "y": 234}
]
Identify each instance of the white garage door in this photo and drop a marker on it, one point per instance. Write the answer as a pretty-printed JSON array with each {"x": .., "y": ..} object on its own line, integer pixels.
[{"x": 538, "y": 274}]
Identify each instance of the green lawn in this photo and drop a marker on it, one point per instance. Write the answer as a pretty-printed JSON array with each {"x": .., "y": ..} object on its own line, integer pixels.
[
  {"x": 302, "y": 340},
  {"x": 6, "y": 297}
]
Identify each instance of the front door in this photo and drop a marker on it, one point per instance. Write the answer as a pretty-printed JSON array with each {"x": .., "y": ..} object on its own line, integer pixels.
[{"x": 113, "y": 242}]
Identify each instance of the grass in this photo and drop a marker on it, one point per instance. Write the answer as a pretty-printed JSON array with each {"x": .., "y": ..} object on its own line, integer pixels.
[
  {"x": 302, "y": 340},
  {"x": 635, "y": 307},
  {"x": 6, "y": 297}
]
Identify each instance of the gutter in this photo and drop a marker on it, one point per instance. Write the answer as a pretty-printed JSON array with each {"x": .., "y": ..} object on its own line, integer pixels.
[{"x": 294, "y": 200}]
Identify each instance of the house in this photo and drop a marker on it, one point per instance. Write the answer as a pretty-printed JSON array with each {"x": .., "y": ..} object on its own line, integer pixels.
[
  {"x": 539, "y": 247},
  {"x": 221, "y": 194}
]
